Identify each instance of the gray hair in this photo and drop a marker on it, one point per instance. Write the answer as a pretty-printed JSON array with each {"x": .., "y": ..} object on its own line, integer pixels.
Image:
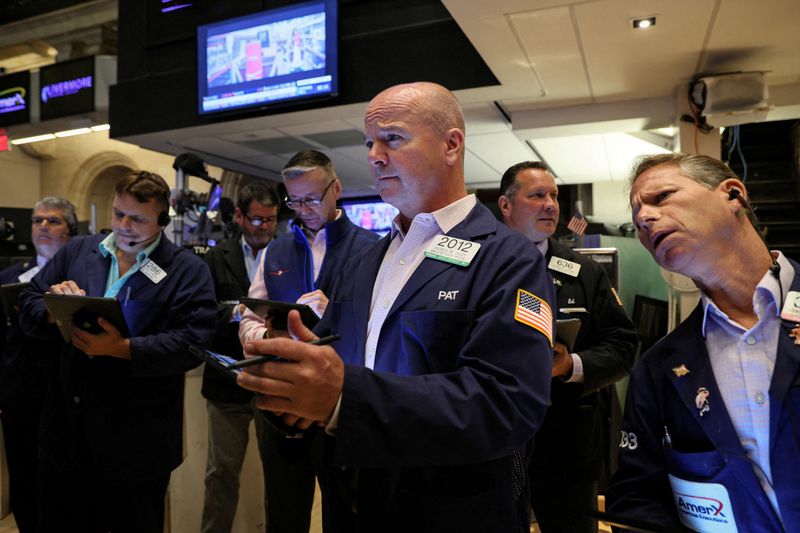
[{"x": 65, "y": 206}]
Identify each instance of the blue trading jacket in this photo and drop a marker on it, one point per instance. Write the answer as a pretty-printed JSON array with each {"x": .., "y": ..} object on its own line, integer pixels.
[
  {"x": 459, "y": 388},
  {"x": 705, "y": 448},
  {"x": 289, "y": 265},
  {"x": 128, "y": 413}
]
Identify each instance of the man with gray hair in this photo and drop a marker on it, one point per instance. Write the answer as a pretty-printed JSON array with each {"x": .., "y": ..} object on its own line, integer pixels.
[
  {"x": 53, "y": 223},
  {"x": 301, "y": 267},
  {"x": 710, "y": 438}
]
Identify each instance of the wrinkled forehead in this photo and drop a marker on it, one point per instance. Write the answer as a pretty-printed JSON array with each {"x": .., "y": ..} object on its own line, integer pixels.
[
  {"x": 48, "y": 212},
  {"x": 392, "y": 107}
]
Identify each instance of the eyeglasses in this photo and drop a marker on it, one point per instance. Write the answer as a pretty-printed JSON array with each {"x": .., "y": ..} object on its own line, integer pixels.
[
  {"x": 310, "y": 202},
  {"x": 259, "y": 221},
  {"x": 51, "y": 221}
]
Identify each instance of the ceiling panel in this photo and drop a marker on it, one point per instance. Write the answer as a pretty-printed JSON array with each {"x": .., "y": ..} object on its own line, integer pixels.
[
  {"x": 550, "y": 44},
  {"x": 627, "y": 63},
  {"x": 756, "y": 36},
  {"x": 498, "y": 151}
]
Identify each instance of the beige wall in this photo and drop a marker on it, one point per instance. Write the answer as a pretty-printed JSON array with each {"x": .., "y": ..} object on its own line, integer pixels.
[{"x": 20, "y": 184}]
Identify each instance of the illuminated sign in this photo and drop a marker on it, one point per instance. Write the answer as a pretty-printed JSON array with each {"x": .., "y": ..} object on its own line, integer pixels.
[
  {"x": 14, "y": 99},
  {"x": 67, "y": 88}
]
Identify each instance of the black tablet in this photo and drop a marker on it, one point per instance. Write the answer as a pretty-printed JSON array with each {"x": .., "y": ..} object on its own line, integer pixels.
[
  {"x": 278, "y": 311},
  {"x": 10, "y": 294},
  {"x": 567, "y": 331},
  {"x": 82, "y": 311}
]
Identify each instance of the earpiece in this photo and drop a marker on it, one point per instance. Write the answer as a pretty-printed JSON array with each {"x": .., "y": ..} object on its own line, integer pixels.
[
  {"x": 163, "y": 219},
  {"x": 734, "y": 193}
]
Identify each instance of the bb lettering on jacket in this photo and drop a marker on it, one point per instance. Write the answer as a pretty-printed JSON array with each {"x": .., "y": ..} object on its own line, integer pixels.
[{"x": 448, "y": 295}]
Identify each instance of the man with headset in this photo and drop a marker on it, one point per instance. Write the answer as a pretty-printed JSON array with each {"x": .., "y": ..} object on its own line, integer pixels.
[
  {"x": 53, "y": 223},
  {"x": 711, "y": 434},
  {"x": 111, "y": 429}
]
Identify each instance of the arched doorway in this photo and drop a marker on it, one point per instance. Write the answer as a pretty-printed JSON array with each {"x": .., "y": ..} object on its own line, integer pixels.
[{"x": 101, "y": 194}]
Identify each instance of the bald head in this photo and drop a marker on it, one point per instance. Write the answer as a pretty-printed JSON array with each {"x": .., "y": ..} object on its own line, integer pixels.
[
  {"x": 435, "y": 103},
  {"x": 415, "y": 133}
]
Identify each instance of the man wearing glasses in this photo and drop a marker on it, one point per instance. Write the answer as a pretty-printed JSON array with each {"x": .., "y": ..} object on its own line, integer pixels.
[
  {"x": 301, "y": 267},
  {"x": 53, "y": 224},
  {"x": 233, "y": 266}
]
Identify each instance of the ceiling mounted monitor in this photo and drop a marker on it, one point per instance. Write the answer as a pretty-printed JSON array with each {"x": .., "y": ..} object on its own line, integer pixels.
[
  {"x": 275, "y": 57},
  {"x": 15, "y": 99}
]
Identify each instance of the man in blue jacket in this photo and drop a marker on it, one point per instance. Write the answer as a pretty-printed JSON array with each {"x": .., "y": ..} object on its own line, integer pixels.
[
  {"x": 53, "y": 223},
  {"x": 112, "y": 422},
  {"x": 301, "y": 267},
  {"x": 442, "y": 373},
  {"x": 710, "y": 438}
]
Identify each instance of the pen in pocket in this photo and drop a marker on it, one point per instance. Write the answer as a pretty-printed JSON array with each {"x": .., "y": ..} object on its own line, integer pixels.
[{"x": 322, "y": 341}]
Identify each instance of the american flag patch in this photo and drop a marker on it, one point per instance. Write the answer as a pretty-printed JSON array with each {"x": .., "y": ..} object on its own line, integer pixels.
[{"x": 534, "y": 312}]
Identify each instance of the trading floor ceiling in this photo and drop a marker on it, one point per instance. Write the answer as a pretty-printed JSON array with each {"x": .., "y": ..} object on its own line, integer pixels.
[{"x": 579, "y": 87}]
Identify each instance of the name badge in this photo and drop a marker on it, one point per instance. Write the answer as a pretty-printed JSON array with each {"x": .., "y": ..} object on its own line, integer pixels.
[
  {"x": 791, "y": 307},
  {"x": 26, "y": 276},
  {"x": 703, "y": 506},
  {"x": 452, "y": 250},
  {"x": 570, "y": 268},
  {"x": 153, "y": 272}
]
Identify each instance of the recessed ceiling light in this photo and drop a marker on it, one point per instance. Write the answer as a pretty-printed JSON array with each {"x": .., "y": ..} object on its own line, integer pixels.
[{"x": 642, "y": 23}]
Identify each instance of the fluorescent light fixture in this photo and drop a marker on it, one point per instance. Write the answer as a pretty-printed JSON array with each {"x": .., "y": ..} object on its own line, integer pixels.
[
  {"x": 643, "y": 23},
  {"x": 35, "y": 138},
  {"x": 70, "y": 133},
  {"x": 101, "y": 127}
]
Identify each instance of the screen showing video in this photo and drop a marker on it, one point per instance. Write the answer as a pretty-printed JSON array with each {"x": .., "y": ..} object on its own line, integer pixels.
[
  {"x": 268, "y": 57},
  {"x": 371, "y": 214}
]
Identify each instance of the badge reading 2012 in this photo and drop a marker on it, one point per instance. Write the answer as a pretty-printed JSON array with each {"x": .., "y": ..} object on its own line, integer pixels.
[{"x": 452, "y": 250}]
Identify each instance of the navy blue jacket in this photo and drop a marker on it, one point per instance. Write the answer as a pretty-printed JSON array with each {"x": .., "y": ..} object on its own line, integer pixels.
[
  {"x": 707, "y": 448},
  {"x": 127, "y": 415},
  {"x": 21, "y": 363},
  {"x": 438, "y": 431},
  {"x": 289, "y": 265}
]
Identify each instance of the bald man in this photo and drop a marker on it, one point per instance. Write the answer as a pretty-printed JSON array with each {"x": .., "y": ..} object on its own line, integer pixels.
[{"x": 442, "y": 374}]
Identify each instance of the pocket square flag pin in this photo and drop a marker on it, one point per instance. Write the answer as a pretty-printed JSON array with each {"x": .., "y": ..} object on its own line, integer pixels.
[
  {"x": 680, "y": 371},
  {"x": 701, "y": 400}
]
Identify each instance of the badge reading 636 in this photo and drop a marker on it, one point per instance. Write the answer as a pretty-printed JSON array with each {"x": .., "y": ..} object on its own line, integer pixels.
[{"x": 452, "y": 250}]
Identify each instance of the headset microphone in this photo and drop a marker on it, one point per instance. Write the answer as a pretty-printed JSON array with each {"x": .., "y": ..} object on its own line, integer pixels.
[{"x": 134, "y": 243}]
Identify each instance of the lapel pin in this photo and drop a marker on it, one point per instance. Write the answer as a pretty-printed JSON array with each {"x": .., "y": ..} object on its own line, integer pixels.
[
  {"x": 680, "y": 371},
  {"x": 795, "y": 334},
  {"x": 701, "y": 400}
]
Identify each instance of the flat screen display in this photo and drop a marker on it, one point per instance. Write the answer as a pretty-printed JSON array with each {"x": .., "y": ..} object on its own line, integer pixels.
[
  {"x": 15, "y": 99},
  {"x": 67, "y": 88},
  {"x": 370, "y": 213},
  {"x": 276, "y": 56}
]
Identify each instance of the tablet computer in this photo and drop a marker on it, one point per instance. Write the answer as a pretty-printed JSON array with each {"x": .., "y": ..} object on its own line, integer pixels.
[
  {"x": 10, "y": 295},
  {"x": 567, "y": 331},
  {"x": 217, "y": 360},
  {"x": 278, "y": 311},
  {"x": 83, "y": 311}
]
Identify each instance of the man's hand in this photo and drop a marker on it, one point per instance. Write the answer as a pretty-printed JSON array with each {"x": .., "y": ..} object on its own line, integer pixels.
[
  {"x": 306, "y": 387},
  {"x": 67, "y": 287},
  {"x": 316, "y": 300},
  {"x": 109, "y": 343},
  {"x": 562, "y": 361}
]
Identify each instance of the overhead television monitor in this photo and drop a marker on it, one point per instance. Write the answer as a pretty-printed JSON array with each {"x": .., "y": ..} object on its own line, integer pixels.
[
  {"x": 370, "y": 213},
  {"x": 15, "y": 99},
  {"x": 283, "y": 55}
]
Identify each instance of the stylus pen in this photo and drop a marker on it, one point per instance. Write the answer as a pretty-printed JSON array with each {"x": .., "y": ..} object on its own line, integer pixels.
[{"x": 322, "y": 341}]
